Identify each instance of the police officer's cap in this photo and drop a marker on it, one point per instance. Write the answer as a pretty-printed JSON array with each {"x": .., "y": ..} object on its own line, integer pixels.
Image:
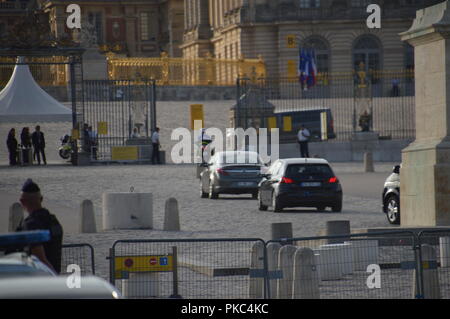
[{"x": 30, "y": 187}]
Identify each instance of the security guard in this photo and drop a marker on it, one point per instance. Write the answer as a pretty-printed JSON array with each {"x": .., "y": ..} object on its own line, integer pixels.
[{"x": 40, "y": 218}]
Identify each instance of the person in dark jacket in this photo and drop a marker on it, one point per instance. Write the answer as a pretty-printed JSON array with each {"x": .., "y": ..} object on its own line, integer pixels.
[
  {"x": 25, "y": 141},
  {"x": 12, "y": 144},
  {"x": 40, "y": 218},
  {"x": 39, "y": 145}
]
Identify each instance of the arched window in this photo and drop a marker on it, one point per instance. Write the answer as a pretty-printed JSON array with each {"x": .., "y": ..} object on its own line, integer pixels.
[
  {"x": 367, "y": 49},
  {"x": 322, "y": 52}
]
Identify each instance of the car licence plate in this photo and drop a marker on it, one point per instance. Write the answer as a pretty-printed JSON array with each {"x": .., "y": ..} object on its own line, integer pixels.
[
  {"x": 246, "y": 184},
  {"x": 312, "y": 184}
]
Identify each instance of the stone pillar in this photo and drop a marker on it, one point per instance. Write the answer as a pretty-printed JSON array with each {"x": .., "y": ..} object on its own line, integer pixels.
[
  {"x": 338, "y": 228},
  {"x": 87, "y": 217},
  {"x": 425, "y": 172},
  {"x": 171, "y": 215}
]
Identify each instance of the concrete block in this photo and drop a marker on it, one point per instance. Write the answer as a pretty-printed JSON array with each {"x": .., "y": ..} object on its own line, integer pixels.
[
  {"x": 345, "y": 256},
  {"x": 286, "y": 266},
  {"x": 141, "y": 285},
  {"x": 365, "y": 253},
  {"x": 444, "y": 249},
  {"x": 127, "y": 211},
  {"x": 15, "y": 216},
  {"x": 306, "y": 277},
  {"x": 171, "y": 215},
  {"x": 337, "y": 228},
  {"x": 329, "y": 264},
  {"x": 87, "y": 217},
  {"x": 256, "y": 285}
]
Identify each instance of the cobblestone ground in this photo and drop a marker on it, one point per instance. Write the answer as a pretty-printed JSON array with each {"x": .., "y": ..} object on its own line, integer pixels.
[{"x": 230, "y": 216}]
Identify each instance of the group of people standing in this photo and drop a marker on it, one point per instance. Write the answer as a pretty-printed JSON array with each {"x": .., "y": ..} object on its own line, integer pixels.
[{"x": 28, "y": 142}]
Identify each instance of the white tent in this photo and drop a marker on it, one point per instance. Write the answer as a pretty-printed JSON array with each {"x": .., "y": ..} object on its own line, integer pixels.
[{"x": 24, "y": 101}]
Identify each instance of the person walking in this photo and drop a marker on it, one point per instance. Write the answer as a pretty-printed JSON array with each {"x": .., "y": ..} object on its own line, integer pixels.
[
  {"x": 303, "y": 138},
  {"x": 11, "y": 143},
  {"x": 40, "y": 218},
  {"x": 156, "y": 145},
  {"x": 38, "y": 140},
  {"x": 25, "y": 141}
]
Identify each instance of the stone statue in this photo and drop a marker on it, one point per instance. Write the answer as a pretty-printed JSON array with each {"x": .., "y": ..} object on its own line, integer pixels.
[{"x": 365, "y": 120}]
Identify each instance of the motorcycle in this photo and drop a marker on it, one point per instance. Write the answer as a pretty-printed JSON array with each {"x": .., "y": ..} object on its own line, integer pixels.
[{"x": 66, "y": 147}]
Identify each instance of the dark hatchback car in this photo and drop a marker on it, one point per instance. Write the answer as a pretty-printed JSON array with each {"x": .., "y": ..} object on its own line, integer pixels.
[
  {"x": 300, "y": 183},
  {"x": 231, "y": 172},
  {"x": 391, "y": 197}
]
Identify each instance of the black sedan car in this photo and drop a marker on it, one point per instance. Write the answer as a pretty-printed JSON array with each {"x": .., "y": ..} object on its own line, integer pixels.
[{"x": 300, "y": 183}]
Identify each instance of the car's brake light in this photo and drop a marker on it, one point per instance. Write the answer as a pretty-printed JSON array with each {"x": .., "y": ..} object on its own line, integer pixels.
[
  {"x": 221, "y": 171},
  {"x": 333, "y": 180},
  {"x": 286, "y": 180}
]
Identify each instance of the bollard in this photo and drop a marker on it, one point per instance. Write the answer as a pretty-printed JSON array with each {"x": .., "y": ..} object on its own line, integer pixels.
[
  {"x": 306, "y": 277},
  {"x": 365, "y": 253},
  {"x": 256, "y": 283},
  {"x": 281, "y": 231},
  {"x": 141, "y": 285},
  {"x": 337, "y": 228},
  {"x": 171, "y": 215},
  {"x": 286, "y": 266},
  {"x": 127, "y": 211},
  {"x": 430, "y": 274},
  {"x": 368, "y": 162},
  {"x": 15, "y": 216},
  {"x": 87, "y": 218},
  {"x": 444, "y": 248},
  {"x": 345, "y": 257},
  {"x": 273, "y": 250}
]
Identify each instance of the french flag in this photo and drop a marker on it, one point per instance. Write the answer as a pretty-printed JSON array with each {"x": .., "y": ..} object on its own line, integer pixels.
[
  {"x": 307, "y": 69},
  {"x": 312, "y": 72}
]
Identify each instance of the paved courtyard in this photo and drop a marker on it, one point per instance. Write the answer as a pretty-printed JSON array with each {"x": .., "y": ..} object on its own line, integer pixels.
[{"x": 64, "y": 187}]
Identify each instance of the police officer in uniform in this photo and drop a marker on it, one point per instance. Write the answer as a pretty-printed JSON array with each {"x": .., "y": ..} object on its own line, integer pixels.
[{"x": 40, "y": 218}]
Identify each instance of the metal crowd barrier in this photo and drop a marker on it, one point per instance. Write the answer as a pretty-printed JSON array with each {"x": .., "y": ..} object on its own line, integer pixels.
[
  {"x": 78, "y": 254},
  {"x": 374, "y": 265}
]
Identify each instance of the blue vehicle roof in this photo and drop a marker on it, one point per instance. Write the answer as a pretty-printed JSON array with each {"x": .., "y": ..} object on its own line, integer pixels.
[{"x": 24, "y": 238}]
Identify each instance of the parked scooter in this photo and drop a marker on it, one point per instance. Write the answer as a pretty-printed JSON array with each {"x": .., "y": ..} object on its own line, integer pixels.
[{"x": 66, "y": 147}]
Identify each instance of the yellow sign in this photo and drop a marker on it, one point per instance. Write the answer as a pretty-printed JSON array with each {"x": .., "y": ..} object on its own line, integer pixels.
[
  {"x": 292, "y": 69},
  {"x": 196, "y": 115},
  {"x": 272, "y": 122},
  {"x": 75, "y": 134},
  {"x": 124, "y": 153},
  {"x": 291, "y": 41},
  {"x": 287, "y": 124},
  {"x": 135, "y": 264},
  {"x": 102, "y": 128}
]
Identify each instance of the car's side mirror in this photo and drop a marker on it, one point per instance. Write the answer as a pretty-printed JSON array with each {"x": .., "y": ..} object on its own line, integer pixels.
[{"x": 396, "y": 169}]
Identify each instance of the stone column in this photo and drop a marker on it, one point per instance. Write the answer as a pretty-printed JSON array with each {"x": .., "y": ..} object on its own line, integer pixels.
[{"x": 425, "y": 172}]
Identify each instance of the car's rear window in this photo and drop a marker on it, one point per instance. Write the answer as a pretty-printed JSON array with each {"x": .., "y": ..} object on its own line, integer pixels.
[
  {"x": 239, "y": 158},
  {"x": 309, "y": 171}
]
